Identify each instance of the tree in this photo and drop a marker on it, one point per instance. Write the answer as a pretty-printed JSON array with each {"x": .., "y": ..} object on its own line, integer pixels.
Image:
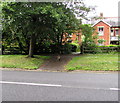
[
  {"x": 31, "y": 23},
  {"x": 89, "y": 39},
  {"x": 27, "y": 20}
]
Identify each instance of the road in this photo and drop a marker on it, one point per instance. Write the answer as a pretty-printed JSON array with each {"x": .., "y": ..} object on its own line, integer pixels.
[{"x": 59, "y": 86}]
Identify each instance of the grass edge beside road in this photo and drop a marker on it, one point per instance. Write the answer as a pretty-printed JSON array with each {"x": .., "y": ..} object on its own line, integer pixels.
[
  {"x": 22, "y": 62},
  {"x": 94, "y": 62}
]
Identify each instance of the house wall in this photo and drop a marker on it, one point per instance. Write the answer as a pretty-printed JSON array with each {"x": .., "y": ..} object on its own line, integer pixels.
[
  {"x": 73, "y": 37},
  {"x": 106, "y": 35},
  {"x": 114, "y": 30},
  {"x": 119, "y": 31}
]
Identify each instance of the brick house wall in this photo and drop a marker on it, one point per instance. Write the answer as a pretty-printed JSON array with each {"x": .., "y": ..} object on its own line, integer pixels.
[
  {"x": 77, "y": 36},
  {"x": 106, "y": 32},
  {"x": 73, "y": 37}
]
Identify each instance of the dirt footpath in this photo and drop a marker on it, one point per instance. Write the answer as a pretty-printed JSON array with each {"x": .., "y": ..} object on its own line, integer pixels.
[{"x": 53, "y": 64}]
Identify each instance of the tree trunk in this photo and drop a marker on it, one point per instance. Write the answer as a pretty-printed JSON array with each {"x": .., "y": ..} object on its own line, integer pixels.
[
  {"x": 58, "y": 45},
  {"x": 31, "y": 47},
  {"x": 61, "y": 38},
  {"x": 82, "y": 49}
]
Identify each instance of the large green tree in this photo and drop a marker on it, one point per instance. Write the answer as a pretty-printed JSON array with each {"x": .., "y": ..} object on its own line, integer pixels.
[{"x": 28, "y": 23}]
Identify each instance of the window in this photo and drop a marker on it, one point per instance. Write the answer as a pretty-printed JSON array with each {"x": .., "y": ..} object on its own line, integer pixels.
[
  {"x": 112, "y": 32},
  {"x": 100, "y": 31},
  {"x": 116, "y": 32}
]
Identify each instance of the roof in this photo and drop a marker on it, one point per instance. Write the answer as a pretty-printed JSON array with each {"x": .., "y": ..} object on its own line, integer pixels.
[
  {"x": 102, "y": 21},
  {"x": 114, "y": 24},
  {"x": 111, "y": 21}
]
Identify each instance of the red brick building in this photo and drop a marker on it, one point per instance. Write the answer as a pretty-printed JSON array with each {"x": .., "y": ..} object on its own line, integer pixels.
[
  {"x": 107, "y": 31},
  {"x": 72, "y": 37}
]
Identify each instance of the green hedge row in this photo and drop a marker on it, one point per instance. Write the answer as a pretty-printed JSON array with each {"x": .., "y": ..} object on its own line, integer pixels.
[
  {"x": 110, "y": 46},
  {"x": 101, "y": 49}
]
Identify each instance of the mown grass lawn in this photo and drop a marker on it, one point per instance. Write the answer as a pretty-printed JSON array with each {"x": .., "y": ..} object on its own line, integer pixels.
[
  {"x": 94, "y": 62},
  {"x": 21, "y": 61}
]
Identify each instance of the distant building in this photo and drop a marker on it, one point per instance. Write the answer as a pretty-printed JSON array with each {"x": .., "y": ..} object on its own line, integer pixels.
[
  {"x": 70, "y": 38},
  {"x": 107, "y": 31}
]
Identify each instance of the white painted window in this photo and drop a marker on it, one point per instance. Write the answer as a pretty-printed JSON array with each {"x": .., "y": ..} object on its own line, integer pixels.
[
  {"x": 112, "y": 32},
  {"x": 101, "y": 30},
  {"x": 117, "y": 32}
]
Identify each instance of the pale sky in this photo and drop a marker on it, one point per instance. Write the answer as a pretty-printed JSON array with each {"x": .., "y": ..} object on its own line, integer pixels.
[{"x": 109, "y": 8}]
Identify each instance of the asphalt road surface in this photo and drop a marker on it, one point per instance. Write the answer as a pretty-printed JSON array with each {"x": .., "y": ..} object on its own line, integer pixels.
[{"x": 59, "y": 86}]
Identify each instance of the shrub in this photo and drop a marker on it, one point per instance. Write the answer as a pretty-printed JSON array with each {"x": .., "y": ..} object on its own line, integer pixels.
[
  {"x": 55, "y": 48},
  {"x": 91, "y": 48},
  {"x": 75, "y": 47},
  {"x": 66, "y": 49},
  {"x": 109, "y": 48},
  {"x": 101, "y": 41}
]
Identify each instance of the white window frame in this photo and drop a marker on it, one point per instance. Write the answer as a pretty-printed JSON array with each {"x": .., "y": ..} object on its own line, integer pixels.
[
  {"x": 101, "y": 34},
  {"x": 112, "y": 33},
  {"x": 117, "y": 33}
]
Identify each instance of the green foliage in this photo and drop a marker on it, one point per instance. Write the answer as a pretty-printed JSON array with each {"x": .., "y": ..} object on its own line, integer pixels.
[
  {"x": 109, "y": 48},
  {"x": 88, "y": 43},
  {"x": 94, "y": 62},
  {"x": 87, "y": 32},
  {"x": 55, "y": 49},
  {"x": 67, "y": 48},
  {"x": 101, "y": 41},
  {"x": 91, "y": 48},
  {"x": 76, "y": 47},
  {"x": 45, "y": 21}
]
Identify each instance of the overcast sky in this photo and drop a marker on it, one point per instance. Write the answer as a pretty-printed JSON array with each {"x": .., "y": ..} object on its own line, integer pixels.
[{"x": 109, "y": 8}]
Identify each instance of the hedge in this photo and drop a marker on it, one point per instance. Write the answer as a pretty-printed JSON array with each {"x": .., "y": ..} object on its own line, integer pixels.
[{"x": 102, "y": 49}]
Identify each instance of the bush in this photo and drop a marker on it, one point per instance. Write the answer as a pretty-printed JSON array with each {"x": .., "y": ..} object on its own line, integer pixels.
[
  {"x": 66, "y": 49},
  {"x": 55, "y": 48},
  {"x": 91, "y": 48},
  {"x": 109, "y": 48},
  {"x": 75, "y": 47}
]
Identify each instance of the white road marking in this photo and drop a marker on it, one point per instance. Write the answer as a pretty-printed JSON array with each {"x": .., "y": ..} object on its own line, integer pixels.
[
  {"x": 109, "y": 89},
  {"x": 36, "y": 84},
  {"x": 115, "y": 89},
  {"x": 55, "y": 85}
]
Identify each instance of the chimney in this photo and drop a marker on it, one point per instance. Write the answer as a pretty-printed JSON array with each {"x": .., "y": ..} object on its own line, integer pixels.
[{"x": 101, "y": 15}]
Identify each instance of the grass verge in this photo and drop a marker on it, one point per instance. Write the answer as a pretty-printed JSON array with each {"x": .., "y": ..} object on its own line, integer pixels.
[
  {"x": 21, "y": 61},
  {"x": 94, "y": 62}
]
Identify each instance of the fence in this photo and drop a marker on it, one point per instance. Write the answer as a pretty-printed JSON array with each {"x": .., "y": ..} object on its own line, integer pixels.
[{"x": 100, "y": 49}]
